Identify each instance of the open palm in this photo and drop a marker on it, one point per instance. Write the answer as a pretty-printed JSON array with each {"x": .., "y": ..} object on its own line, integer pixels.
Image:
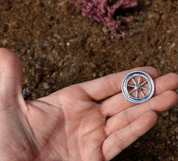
[{"x": 83, "y": 122}]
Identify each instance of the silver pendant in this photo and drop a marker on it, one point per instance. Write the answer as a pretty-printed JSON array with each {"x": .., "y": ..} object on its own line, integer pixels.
[{"x": 138, "y": 87}]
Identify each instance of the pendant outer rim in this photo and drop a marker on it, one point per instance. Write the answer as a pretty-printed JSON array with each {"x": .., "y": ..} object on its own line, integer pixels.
[{"x": 151, "y": 87}]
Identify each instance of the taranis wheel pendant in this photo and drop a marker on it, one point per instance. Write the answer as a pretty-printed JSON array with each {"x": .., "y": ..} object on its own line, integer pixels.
[{"x": 138, "y": 87}]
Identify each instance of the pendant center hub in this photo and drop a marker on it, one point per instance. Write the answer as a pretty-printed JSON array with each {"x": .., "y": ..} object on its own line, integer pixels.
[{"x": 138, "y": 87}]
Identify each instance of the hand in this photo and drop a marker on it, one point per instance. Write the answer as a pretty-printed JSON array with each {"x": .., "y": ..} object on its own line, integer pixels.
[{"x": 90, "y": 121}]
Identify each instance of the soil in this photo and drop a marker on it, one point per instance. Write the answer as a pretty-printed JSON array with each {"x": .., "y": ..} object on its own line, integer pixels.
[{"x": 59, "y": 47}]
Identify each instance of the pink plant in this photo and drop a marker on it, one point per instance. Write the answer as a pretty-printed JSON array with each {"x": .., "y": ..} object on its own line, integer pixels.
[{"x": 99, "y": 10}]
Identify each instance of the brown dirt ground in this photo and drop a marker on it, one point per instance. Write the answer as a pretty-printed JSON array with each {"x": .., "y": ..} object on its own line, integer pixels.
[{"x": 38, "y": 32}]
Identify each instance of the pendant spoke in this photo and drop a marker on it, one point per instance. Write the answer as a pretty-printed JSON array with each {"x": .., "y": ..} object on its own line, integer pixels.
[
  {"x": 131, "y": 91},
  {"x": 136, "y": 94},
  {"x": 139, "y": 80},
  {"x": 142, "y": 93},
  {"x": 134, "y": 81},
  {"x": 145, "y": 88},
  {"x": 131, "y": 86},
  {"x": 143, "y": 83}
]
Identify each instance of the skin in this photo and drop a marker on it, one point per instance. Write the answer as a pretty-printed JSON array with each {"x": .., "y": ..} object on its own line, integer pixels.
[{"x": 83, "y": 122}]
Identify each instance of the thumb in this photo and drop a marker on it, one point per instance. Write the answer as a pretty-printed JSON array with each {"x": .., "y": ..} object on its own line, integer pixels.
[{"x": 11, "y": 75}]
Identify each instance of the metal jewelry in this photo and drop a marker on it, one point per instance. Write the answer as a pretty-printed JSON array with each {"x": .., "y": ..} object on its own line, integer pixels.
[{"x": 137, "y": 87}]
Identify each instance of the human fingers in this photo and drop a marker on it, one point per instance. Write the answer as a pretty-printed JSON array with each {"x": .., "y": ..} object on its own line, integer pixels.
[
  {"x": 158, "y": 103},
  {"x": 109, "y": 85},
  {"x": 10, "y": 76},
  {"x": 118, "y": 103},
  {"x": 121, "y": 139}
]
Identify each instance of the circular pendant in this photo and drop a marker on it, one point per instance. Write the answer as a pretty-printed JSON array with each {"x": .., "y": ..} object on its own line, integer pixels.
[{"x": 138, "y": 87}]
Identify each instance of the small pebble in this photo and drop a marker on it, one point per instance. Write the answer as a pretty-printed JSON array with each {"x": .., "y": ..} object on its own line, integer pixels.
[
  {"x": 45, "y": 85},
  {"x": 173, "y": 118},
  {"x": 176, "y": 130},
  {"x": 173, "y": 44}
]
